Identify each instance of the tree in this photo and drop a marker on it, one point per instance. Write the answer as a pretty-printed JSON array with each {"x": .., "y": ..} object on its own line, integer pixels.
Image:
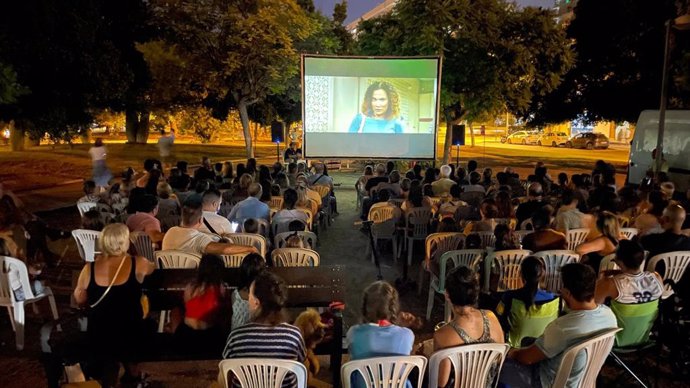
[
  {"x": 619, "y": 47},
  {"x": 235, "y": 52},
  {"x": 495, "y": 56}
]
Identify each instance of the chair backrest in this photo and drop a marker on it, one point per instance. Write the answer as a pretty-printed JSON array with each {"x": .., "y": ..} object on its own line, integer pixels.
[
  {"x": 233, "y": 261},
  {"x": 322, "y": 190},
  {"x": 142, "y": 245},
  {"x": 6, "y": 294},
  {"x": 636, "y": 320},
  {"x": 530, "y": 322},
  {"x": 397, "y": 201},
  {"x": 508, "y": 265},
  {"x": 471, "y": 363},
  {"x": 469, "y": 258},
  {"x": 596, "y": 350},
  {"x": 629, "y": 233},
  {"x": 553, "y": 261},
  {"x": 276, "y": 203},
  {"x": 308, "y": 238},
  {"x": 87, "y": 241},
  {"x": 295, "y": 257},
  {"x": 607, "y": 263},
  {"x": 250, "y": 240},
  {"x": 438, "y": 243},
  {"x": 172, "y": 258},
  {"x": 575, "y": 237},
  {"x": 261, "y": 372},
  {"x": 488, "y": 239},
  {"x": 417, "y": 222},
  {"x": 675, "y": 264},
  {"x": 284, "y": 226},
  {"x": 83, "y": 207},
  {"x": 310, "y": 217},
  {"x": 518, "y": 235},
  {"x": 383, "y": 372},
  {"x": 381, "y": 214}
]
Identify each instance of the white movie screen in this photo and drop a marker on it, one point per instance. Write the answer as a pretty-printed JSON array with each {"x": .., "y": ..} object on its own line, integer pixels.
[{"x": 370, "y": 107}]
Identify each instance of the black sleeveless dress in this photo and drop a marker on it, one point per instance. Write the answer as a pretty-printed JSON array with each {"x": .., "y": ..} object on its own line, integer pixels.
[{"x": 115, "y": 325}]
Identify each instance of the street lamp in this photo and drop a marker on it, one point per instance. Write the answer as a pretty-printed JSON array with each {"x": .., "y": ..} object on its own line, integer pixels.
[{"x": 681, "y": 23}]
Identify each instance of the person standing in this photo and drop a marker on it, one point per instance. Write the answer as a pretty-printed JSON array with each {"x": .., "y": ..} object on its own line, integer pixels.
[
  {"x": 165, "y": 145},
  {"x": 101, "y": 173}
]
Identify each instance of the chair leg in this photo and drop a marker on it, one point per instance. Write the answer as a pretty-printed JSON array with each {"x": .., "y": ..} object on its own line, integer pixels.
[
  {"x": 161, "y": 321},
  {"x": 430, "y": 301},
  {"x": 53, "y": 309},
  {"x": 621, "y": 363},
  {"x": 11, "y": 314},
  {"x": 19, "y": 319}
]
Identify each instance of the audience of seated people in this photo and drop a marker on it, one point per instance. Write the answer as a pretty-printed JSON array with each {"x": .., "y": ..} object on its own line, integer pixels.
[{"x": 543, "y": 238}]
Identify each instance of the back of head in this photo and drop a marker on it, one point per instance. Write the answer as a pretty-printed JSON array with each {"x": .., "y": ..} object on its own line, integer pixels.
[
  {"x": 294, "y": 241},
  {"x": 296, "y": 226},
  {"x": 489, "y": 209},
  {"x": 163, "y": 190},
  {"x": 245, "y": 181},
  {"x": 541, "y": 219},
  {"x": 272, "y": 293},
  {"x": 182, "y": 166},
  {"x": 448, "y": 225},
  {"x": 384, "y": 195},
  {"x": 562, "y": 178},
  {"x": 532, "y": 270},
  {"x": 89, "y": 187},
  {"x": 630, "y": 254},
  {"x": 394, "y": 176},
  {"x": 290, "y": 198},
  {"x": 380, "y": 169},
  {"x": 475, "y": 178},
  {"x": 92, "y": 220},
  {"x": 428, "y": 190},
  {"x": 535, "y": 190},
  {"x": 462, "y": 287},
  {"x": 502, "y": 178},
  {"x": 211, "y": 197},
  {"x": 251, "y": 266},
  {"x": 202, "y": 186},
  {"x": 579, "y": 279},
  {"x": 608, "y": 225},
  {"x": 568, "y": 197},
  {"x": 445, "y": 171},
  {"x": 473, "y": 241},
  {"x": 405, "y": 184},
  {"x": 455, "y": 191},
  {"x": 390, "y": 166},
  {"x": 380, "y": 302},
  {"x": 674, "y": 215},
  {"x": 251, "y": 225},
  {"x": 292, "y": 168},
  {"x": 191, "y": 213},
  {"x": 210, "y": 271},
  {"x": 114, "y": 240},
  {"x": 471, "y": 165},
  {"x": 254, "y": 190},
  {"x": 319, "y": 168},
  {"x": 148, "y": 203},
  {"x": 417, "y": 169}
]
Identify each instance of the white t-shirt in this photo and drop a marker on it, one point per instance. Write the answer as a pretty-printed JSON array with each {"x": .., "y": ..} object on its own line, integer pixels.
[
  {"x": 97, "y": 153},
  {"x": 187, "y": 239},
  {"x": 165, "y": 144},
  {"x": 639, "y": 288},
  {"x": 220, "y": 224}
]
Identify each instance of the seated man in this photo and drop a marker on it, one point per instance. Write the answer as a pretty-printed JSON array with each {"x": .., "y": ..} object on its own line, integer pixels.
[
  {"x": 292, "y": 154},
  {"x": 444, "y": 183},
  {"x": 630, "y": 284},
  {"x": 251, "y": 207},
  {"x": 393, "y": 185},
  {"x": 212, "y": 222},
  {"x": 144, "y": 220},
  {"x": 569, "y": 216},
  {"x": 90, "y": 193},
  {"x": 671, "y": 239},
  {"x": 544, "y": 238},
  {"x": 536, "y": 202},
  {"x": 537, "y": 365},
  {"x": 188, "y": 238},
  {"x": 319, "y": 178}
]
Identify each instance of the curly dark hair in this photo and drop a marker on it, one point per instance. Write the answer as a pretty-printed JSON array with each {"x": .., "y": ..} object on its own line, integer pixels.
[
  {"x": 380, "y": 301},
  {"x": 393, "y": 110}
]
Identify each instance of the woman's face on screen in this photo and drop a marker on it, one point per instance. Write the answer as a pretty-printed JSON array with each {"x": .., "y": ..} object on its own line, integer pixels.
[{"x": 379, "y": 103}]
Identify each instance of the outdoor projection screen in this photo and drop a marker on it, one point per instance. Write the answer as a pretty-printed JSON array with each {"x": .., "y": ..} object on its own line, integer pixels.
[{"x": 383, "y": 108}]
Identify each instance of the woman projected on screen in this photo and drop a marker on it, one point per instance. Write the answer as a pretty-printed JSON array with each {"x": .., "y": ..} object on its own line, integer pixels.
[{"x": 380, "y": 110}]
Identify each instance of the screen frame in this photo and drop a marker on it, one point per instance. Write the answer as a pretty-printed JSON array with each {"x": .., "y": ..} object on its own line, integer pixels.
[{"x": 439, "y": 66}]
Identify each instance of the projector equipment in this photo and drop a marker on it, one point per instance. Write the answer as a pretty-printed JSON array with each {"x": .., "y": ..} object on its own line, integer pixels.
[
  {"x": 367, "y": 226},
  {"x": 277, "y": 136}
]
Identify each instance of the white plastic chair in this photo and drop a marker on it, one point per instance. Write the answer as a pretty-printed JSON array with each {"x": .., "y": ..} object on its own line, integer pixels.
[
  {"x": 675, "y": 264},
  {"x": 15, "y": 308},
  {"x": 575, "y": 237},
  {"x": 308, "y": 238},
  {"x": 283, "y": 226},
  {"x": 607, "y": 263},
  {"x": 488, "y": 239},
  {"x": 261, "y": 372},
  {"x": 507, "y": 263},
  {"x": 417, "y": 228},
  {"x": 86, "y": 243},
  {"x": 384, "y": 372},
  {"x": 596, "y": 350},
  {"x": 384, "y": 231},
  {"x": 83, "y": 207},
  {"x": 553, "y": 261},
  {"x": 629, "y": 233},
  {"x": 233, "y": 261},
  {"x": 381, "y": 214},
  {"x": 435, "y": 245},
  {"x": 173, "y": 258},
  {"x": 295, "y": 257},
  {"x": 250, "y": 240},
  {"x": 143, "y": 245},
  {"x": 471, "y": 363},
  {"x": 276, "y": 203},
  {"x": 466, "y": 257},
  {"x": 518, "y": 235}
]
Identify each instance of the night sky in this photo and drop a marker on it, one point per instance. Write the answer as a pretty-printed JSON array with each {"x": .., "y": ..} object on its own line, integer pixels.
[{"x": 355, "y": 8}]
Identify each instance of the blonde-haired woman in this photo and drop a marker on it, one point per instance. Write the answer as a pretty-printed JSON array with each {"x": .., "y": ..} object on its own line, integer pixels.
[
  {"x": 111, "y": 286},
  {"x": 594, "y": 250}
]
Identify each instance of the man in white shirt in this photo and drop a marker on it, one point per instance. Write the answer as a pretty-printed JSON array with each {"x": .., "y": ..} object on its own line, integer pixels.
[
  {"x": 165, "y": 144},
  {"x": 212, "y": 222},
  {"x": 444, "y": 183},
  {"x": 569, "y": 217},
  {"x": 189, "y": 239},
  {"x": 251, "y": 207},
  {"x": 319, "y": 178}
]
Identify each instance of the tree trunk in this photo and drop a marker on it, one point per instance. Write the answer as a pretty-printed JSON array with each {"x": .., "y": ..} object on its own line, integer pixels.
[
  {"x": 471, "y": 133},
  {"x": 16, "y": 137},
  {"x": 143, "y": 127},
  {"x": 256, "y": 137},
  {"x": 137, "y": 126},
  {"x": 447, "y": 144},
  {"x": 244, "y": 118}
]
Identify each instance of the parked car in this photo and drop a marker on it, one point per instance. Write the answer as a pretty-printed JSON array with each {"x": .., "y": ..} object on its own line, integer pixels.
[
  {"x": 553, "y": 139},
  {"x": 521, "y": 137},
  {"x": 589, "y": 140}
]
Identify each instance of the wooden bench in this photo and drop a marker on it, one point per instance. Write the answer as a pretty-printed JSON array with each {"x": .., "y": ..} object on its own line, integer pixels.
[{"x": 307, "y": 287}]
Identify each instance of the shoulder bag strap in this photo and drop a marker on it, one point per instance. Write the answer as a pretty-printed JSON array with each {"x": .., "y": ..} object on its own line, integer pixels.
[
  {"x": 111, "y": 282},
  {"x": 208, "y": 225}
]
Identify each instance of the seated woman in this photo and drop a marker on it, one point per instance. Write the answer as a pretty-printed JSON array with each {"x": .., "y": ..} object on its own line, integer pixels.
[
  {"x": 111, "y": 287},
  {"x": 250, "y": 268},
  {"x": 204, "y": 300},
  {"x": 593, "y": 251},
  {"x": 488, "y": 211},
  {"x": 378, "y": 335},
  {"x": 525, "y": 312},
  {"x": 268, "y": 326},
  {"x": 631, "y": 284},
  {"x": 290, "y": 212},
  {"x": 469, "y": 324}
]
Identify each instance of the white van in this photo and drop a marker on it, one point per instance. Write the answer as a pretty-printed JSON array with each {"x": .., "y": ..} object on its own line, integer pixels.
[{"x": 676, "y": 146}]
